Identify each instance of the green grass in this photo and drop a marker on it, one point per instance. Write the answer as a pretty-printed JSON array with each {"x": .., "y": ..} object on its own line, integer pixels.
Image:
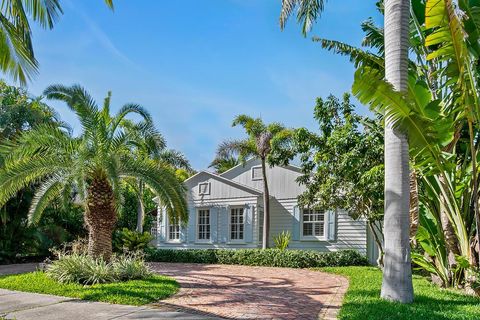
[
  {"x": 133, "y": 292},
  {"x": 362, "y": 300}
]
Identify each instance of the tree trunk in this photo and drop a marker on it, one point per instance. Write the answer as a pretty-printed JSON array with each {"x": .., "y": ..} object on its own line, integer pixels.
[
  {"x": 100, "y": 217},
  {"x": 266, "y": 207},
  {"x": 397, "y": 272},
  {"x": 140, "y": 208},
  {"x": 451, "y": 241},
  {"x": 381, "y": 252},
  {"x": 414, "y": 209}
]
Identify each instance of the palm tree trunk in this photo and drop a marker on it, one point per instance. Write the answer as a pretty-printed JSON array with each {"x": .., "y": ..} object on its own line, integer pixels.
[
  {"x": 140, "y": 208},
  {"x": 397, "y": 272},
  {"x": 266, "y": 207},
  {"x": 100, "y": 217}
]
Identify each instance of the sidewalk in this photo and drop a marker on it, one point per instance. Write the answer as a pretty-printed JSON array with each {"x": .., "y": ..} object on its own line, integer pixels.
[{"x": 26, "y": 306}]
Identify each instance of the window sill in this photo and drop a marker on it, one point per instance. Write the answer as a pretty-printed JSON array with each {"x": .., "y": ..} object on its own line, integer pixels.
[
  {"x": 174, "y": 241},
  {"x": 323, "y": 239},
  {"x": 237, "y": 242}
]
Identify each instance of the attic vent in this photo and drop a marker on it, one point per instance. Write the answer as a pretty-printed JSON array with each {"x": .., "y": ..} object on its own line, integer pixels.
[
  {"x": 204, "y": 188},
  {"x": 257, "y": 173}
]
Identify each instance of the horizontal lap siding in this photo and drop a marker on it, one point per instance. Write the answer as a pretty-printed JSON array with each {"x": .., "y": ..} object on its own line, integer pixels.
[
  {"x": 350, "y": 234},
  {"x": 221, "y": 227}
]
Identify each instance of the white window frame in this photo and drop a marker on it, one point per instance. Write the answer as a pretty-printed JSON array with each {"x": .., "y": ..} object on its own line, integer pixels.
[
  {"x": 197, "y": 218},
  {"x": 168, "y": 224},
  {"x": 230, "y": 240},
  {"x": 313, "y": 237},
  {"x": 200, "y": 188},
  {"x": 253, "y": 176}
]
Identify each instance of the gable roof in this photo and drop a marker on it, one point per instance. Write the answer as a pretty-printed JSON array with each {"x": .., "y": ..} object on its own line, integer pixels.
[
  {"x": 245, "y": 164},
  {"x": 226, "y": 181}
]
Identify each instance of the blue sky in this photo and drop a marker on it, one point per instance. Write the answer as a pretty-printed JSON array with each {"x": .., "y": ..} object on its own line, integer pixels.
[{"x": 195, "y": 64}]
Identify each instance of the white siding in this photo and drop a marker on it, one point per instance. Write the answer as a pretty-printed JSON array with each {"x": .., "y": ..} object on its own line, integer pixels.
[
  {"x": 281, "y": 180},
  {"x": 237, "y": 188},
  {"x": 219, "y": 188},
  {"x": 222, "y": 206}
]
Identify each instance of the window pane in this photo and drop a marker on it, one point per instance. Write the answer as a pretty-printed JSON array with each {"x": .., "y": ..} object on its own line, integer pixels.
[
  {"x": 236, "y": 223},
  {"x": 307, "y": 229}
]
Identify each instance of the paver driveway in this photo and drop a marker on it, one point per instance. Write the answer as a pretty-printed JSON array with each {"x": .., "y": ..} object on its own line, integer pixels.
[{"x": 242, "y": 292}]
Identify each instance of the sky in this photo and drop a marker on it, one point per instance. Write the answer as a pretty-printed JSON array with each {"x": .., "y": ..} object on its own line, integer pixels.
[{"x": 196, "y": 64}]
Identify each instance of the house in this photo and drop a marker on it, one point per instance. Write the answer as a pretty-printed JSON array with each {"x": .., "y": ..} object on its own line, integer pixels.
[{"x": 226, "y": 211}]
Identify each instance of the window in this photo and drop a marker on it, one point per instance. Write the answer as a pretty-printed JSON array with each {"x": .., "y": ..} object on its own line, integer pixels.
[
  {"x": 203, "y": 224},
  {"x": 257, "y": 173},
  {"x": 313, "y": 223},
  {"x": 204, "y": 188},
  {"x": 237, "y": 224},
  {"x": 174, "y": 232}
]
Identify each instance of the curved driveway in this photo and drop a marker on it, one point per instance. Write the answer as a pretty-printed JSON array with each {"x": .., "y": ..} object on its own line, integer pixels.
[{"x": 242, "y": 292}]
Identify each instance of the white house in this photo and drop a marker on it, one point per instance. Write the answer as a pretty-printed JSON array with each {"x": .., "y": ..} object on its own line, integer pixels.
[{"x": 226, "y": 211}]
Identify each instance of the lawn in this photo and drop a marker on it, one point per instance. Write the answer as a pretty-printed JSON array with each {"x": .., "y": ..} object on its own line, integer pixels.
[
  {"x": 133, "y": 292},
  {"x": 362, "y": 300}
]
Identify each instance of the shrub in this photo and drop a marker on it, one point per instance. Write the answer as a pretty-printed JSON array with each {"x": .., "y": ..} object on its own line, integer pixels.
[
  {"x": 258, "y": 257},
  {"x": 83, "y": 269},
  {"x": 282, "y": 240},
  {"x": 127, "y": 240}
]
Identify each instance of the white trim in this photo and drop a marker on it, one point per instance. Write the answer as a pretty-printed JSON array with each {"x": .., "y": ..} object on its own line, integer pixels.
[
  {"x": 227, "y": 181},
  {"x": 197, "y": 240},
  {"x": 206, "y": 193},
  {"x": 229, "y": 230},
  {"x": 244, "y": 164},
  {"x": 314, "y": 238},
  {"x": 167, "y": 230},
  {"x": 252, "y": 176}
]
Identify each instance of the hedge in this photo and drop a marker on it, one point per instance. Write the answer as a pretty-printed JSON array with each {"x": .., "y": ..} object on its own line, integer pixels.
[{"x": 258, "y": 257}]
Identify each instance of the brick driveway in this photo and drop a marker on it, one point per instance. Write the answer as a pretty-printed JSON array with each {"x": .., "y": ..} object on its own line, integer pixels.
[{"x": 241, "y": 292}]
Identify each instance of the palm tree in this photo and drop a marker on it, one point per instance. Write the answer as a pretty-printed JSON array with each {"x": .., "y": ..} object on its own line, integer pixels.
[
  {"x": 258, "y": 144},
  {"x": 397, "y": 275},
  {"x": 89, "y": 167},
  {"x": 225, "y": 158},
  {"x": 152, "y": 145},
  {"x": 17, "y": 57}
]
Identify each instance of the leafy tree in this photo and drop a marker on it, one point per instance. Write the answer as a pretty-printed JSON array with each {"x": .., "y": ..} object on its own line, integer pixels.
[
  {"x": 397, "y": 276},
  {"x": 342, "y": 165},
  {"x": 260, "y": 139},
  {"x": 90, "y": 166},
  {"x": 17, "y": 56},
  {"x": 20, "y": 112}
]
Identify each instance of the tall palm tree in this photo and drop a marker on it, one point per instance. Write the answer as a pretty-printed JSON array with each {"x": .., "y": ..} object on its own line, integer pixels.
[
  {"x": 397, "y": 277},
  {"x": 258, "y": 144},
  {"x": 151, "y": 145},
  {"x": 397, "y": 274},
  {"x": 17, "y": 57},
  {"x": 89, "y": 167}
]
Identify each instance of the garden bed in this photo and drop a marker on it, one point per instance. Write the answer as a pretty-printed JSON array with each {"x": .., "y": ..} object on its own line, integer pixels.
[
  {"x": 133, "y": 292},
  {"x": 259, "y": 257},
  {"x": 362, "y": 300}
]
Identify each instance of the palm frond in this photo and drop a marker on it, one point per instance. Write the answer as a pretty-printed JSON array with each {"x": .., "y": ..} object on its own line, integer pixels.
[
  {"x": 357, "y": 56},
  {"x": 308, "y": 11},
  {"x": 162, "y": 181},
  {"x": 45, "y": 193}
]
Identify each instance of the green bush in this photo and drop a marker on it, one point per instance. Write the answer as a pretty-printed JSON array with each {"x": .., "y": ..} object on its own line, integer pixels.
[
  {"x": 83, "y": 269},
  {"x": 127, "y": 240},
  {"x": 282, "y": 240},
  {"x": 258, "y": 257}
]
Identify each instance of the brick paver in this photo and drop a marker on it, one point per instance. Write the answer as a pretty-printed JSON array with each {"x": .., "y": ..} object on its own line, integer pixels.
[{"x": 242, "y": 292}]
